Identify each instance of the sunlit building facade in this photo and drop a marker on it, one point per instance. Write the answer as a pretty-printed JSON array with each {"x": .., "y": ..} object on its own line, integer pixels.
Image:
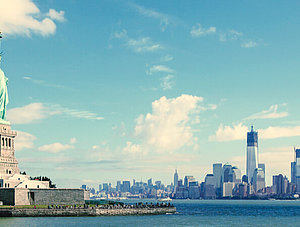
[{"x": 252, "y": 153}]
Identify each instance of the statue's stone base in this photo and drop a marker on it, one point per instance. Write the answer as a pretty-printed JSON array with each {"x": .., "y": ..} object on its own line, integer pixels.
[{"x": 8, "y": 162}]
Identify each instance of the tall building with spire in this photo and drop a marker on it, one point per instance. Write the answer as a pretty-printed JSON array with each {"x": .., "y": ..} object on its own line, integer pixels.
[
  {"x": 252, "y": 153},
  {"x": 175, "y": 179}
]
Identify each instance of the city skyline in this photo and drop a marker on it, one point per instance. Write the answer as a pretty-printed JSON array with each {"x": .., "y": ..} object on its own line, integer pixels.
[{"x": 139, "y": 88}]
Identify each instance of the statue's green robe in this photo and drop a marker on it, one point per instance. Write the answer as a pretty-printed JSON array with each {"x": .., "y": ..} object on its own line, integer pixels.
[{"x": 3, "y": 95}]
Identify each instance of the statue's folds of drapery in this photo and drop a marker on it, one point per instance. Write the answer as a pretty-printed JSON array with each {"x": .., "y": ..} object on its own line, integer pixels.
[{"x": 3, "y": 95}]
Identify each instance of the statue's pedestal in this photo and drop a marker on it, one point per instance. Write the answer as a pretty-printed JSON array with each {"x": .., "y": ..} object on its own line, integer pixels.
[{"x": 8, "y": 162}]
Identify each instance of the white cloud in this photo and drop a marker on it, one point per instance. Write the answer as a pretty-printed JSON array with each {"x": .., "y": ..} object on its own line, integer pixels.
[
  {"x": 249, "y": 44},
  {"x": 228, "y": 133},
  {"x": 95, "y": 147},
  {"x": 45, "y": 83},
  {"x": 139, "y": 45},
  {"x": 239, "y": 132},
  {"x": 168, "y": 128},
  {"x": 159, "y": 68},
  {"x": 24, "y": 140},
  {"x": 164, "y": 19},
  {"x": 73, "y": 140},
  {"x": 167, "y": 82},
  {"x": 55, "y": 147},
  {"x": 54, "y": 15},
  {"x": 27, "y": 114},
  {"x": 279, "y": 132},
  {"x": 38, "y": 111},
  {"x": 144, "y": 44},
  {"x": 23, "y": 17},
  {"x": 230, "y": 35},
  {"x": 83, "y": 114},
  {"x": 198, "y": 31},
  {"x": 132, "y": 148},
  {"x": 120, "y": 35},
  {"x": 166, "y": 58},
  {"x": 271, "y": 113}
]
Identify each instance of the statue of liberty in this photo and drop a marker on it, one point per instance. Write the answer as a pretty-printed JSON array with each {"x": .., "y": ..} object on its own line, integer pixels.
[{"x": 3, "y": 92}]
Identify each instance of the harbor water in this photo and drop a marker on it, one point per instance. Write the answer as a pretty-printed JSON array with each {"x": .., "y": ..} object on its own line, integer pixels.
[{"x": 189, "y": 213}]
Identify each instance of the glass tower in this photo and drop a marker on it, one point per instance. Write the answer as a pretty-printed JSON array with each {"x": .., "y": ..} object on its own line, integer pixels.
[
  {"x": 297, "y": 172},
  {"x": 252, "y": 150}
]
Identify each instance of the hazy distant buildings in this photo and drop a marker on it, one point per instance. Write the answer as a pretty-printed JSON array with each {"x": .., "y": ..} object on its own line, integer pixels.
[
  {"x": 126, "y": 186},
  {"x": 187, "y": 180},
  {"x": 252, "y": 153},
  {"x": 105, "y": 187}
]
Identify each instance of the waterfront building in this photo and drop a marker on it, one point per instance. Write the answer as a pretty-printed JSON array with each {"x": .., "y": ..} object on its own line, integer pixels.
[
  {"x": 175, "y": 179},
  {"x": 217, "y": 172},
  {"x": 194, "y": 192},
  {"x": 209, "y": 188},
  {"x": 280, "y": 184},
  {"x": 258, "y": 179},
  {"x": 227, "y": 189},
  {"x": 252, "y": 153},
  {"x": 243, "y": 190}
]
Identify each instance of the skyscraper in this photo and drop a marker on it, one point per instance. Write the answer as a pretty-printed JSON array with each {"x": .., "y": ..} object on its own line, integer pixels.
[
  {"x": 217, "y": 171},
  {"x": 175, "y": 179},
  {"x": 235, "y": 175},
  {"x": 297, "y": 154},
  {"x": 252, "y": 156},
  {"x": 258, "y": 179},
  {"x": 293, "y": 172},
  {"x": 226, "y": 173}
]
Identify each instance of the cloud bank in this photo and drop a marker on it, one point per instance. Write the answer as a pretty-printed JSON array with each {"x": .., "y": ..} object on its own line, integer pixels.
[
  {"x": 168, "y": 127},
  {"x": 23, "y": 17}
]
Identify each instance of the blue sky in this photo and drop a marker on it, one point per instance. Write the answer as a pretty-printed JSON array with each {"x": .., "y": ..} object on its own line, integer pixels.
[{"x": 107, "y": 90}]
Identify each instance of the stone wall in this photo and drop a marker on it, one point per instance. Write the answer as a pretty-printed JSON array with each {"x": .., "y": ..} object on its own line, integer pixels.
[
  {"x": 84, "y": 212},
  {"x": 49, "y": 196},
  {"x": 21, "y": 197},
  {"x": 7, "y": 196},
  {"x": 55, "y": 196}
]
